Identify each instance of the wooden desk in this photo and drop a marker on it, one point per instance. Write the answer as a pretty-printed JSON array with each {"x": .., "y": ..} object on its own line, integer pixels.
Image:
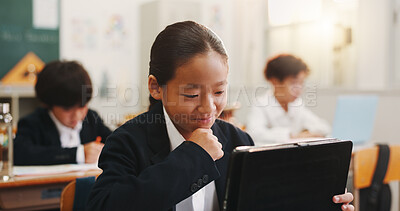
[{"x": 37, "y": 192}]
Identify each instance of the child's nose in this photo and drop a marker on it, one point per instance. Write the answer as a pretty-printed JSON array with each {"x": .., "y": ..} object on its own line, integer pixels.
[
  {"x": 207, "y": 104},
  {"x": 78, "y": 114}
]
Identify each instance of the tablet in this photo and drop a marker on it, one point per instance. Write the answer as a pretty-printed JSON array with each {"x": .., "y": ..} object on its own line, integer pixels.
[{"x": 295, "y": 176}]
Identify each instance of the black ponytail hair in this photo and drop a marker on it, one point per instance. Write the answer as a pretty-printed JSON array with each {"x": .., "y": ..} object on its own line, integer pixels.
[{"x": 176, "y": 45}]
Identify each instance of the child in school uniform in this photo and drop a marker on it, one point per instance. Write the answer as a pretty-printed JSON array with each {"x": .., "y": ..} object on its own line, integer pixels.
[
  {"x": 175, "y": 156},
  {"x": 280, "y": 115},
  {"x": 64, "y": 130}
]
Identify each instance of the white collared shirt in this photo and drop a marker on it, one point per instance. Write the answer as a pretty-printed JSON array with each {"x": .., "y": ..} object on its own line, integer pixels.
[
  {"x": 269, "y": 123},
  {"x": 206, "y": 198},
  {"x": 70, "y": 137}
]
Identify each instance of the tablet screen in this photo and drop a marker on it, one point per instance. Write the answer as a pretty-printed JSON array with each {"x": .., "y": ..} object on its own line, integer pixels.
[{"x": 298, "y": 176}]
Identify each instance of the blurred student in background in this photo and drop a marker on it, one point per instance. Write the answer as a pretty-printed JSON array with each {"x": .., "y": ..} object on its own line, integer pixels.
[
  {"x": 64, "y": 130},
  {"x": 281, "y": 115}
]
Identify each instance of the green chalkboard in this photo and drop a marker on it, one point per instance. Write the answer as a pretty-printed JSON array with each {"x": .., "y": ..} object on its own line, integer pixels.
[{"x": 18, "y": 36}]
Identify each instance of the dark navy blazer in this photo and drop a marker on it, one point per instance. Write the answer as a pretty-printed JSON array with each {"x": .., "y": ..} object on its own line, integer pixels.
[
  {"x": 38, "y": 142},
  {"x": 141, "y": 173}
]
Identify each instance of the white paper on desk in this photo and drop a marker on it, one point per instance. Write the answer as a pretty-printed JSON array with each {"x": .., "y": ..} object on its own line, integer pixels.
[{"x": 52, "y": 169}]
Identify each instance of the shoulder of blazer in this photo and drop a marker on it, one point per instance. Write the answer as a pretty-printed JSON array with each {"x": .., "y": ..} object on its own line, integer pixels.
[
  {"x": 37, "y": 115},
  {"x": 147, "y": 132},
  {"x": 232, "y": 132},
  {"x": 227, "y": 128},
  {"x": 40, "y": 117},
  {"x": 91, "y": 116},
  {"x": 147, "y": 128},
  {"x": 39, "y": 126}
]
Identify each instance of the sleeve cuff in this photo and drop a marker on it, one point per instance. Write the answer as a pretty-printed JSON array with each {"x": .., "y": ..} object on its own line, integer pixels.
[{"x": 80, "y": 154}]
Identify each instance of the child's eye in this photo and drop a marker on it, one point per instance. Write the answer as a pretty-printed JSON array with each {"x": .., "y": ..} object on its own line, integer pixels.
[
  {"x": 190, "y": 96},
  {"x": 219, "y": 92}
]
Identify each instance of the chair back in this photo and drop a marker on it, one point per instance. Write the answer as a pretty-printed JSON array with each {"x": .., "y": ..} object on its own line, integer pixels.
[
  {"x": 75, "y": 194},
  {"x": 67, "y": 197},
  {"x": 373, "y": 169},
  {"x": 365, "y": 161}
]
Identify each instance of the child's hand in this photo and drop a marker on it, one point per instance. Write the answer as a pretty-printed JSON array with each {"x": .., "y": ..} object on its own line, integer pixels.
[
  {"x": 205, "y": 138},
  {"x": 92, "y": 151},
  {"x": 345, "y": 199}
]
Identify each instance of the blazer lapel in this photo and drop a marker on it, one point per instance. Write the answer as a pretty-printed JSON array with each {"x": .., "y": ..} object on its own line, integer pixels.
[
  {"x": 222, "y": 164},
  {"x": 88, "y": 131},
  {"x": 158, "y": 140},
  {"x": 50, "y": 128}
]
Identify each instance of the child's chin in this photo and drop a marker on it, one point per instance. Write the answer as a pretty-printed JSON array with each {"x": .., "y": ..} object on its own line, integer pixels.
[
  {"x": 205, "y": 124},
  {"x": 72, "y": 125}
]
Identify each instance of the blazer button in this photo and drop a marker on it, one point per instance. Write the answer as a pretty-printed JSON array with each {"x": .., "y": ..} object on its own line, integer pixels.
[
  {"x": 205, "y": 179},
  {"x": 200, "y": 182},
  {"x": 194, "y": 187}
]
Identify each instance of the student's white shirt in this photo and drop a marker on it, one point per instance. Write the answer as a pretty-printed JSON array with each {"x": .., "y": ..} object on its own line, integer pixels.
[
  {"x": 269, "y": 123},
  {"x": 206, "y": 198},
  {"x": 70, "y": 137}
]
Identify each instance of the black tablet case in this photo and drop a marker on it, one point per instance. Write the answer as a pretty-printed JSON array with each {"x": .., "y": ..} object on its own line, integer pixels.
[{"x": 297, "y": 176}]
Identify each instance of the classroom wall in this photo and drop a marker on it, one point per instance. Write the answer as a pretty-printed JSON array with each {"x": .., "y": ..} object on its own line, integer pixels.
[
  {"x": 375, "y": 42},
  {"x": 395, "y": 78},
  {"x": 103, "y": 35}
]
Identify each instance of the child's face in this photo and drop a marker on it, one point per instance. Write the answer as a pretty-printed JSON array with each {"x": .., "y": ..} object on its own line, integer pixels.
[
  {"x": 196, "y": 95},
  {"x": 70, "y": 117},
  {"x": 290, "y": 88}
]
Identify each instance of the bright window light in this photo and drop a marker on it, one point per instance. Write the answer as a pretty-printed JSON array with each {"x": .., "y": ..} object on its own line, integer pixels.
[{"x": 284, "y": 12}]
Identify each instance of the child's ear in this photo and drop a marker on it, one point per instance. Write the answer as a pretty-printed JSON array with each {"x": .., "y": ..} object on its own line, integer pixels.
[{"x": 154, "y": 88}]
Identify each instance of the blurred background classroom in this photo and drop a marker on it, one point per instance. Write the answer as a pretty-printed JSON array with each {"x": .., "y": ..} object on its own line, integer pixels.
[{"x": 352, "y": 47}]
